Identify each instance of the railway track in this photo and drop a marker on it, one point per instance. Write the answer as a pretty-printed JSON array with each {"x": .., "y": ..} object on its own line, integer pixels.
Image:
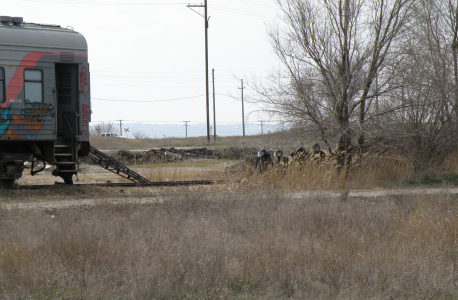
[{"x": 118, "y": 184}]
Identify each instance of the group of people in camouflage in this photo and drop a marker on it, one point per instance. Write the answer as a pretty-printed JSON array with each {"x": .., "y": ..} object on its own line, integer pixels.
[{"x": 265, "y": 159}]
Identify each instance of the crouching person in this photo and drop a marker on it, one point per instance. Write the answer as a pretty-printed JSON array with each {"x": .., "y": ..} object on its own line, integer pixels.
[
  {"x": 280, "y": 159},
  {"x": 317, "y": 153},
  {"x": 300, "y": 155},
  {"x": 280, "y": 163},
  {"x": 264, "y": 160}
]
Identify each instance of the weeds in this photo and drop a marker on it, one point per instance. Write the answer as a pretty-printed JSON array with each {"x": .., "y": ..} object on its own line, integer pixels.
[
  {"x": 257, "y": 245},
  {"x": 450, "y": 179},
  {"x": 249, "y": 243},
  {"x": 313, "y": 174}
]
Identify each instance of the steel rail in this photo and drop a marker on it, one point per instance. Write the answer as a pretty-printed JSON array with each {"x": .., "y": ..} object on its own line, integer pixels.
[{"x": 118, "y": 184}]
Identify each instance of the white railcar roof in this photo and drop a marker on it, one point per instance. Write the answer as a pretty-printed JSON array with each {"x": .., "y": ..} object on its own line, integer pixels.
[{"x": 41, "y": 36}]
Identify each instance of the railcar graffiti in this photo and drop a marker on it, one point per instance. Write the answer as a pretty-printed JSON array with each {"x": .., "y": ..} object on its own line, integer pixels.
[
  {"x": 5, "y": 119},
  {"x": 84, "y": 86},
  {"x": 20, "y": 129},
  {"x": 37, "y": 111},
  {"x": 27, "y": 123},
  {"x": 85, "y": 111},
  {"x": 23, "y": 131},
  {"x": 59, "y": 77}
]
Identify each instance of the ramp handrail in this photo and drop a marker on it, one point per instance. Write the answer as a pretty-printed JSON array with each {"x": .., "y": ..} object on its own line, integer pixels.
[{"x": 112, "y": 165}]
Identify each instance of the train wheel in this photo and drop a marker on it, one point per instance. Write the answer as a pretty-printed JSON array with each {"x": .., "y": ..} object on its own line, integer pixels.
[
  {"x": 7, "y": 183},
  {"x": 67, "y": 177}
]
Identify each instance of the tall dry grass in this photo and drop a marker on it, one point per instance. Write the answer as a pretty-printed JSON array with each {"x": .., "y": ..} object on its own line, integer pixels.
[
  {"x": 180, "y": 173},
  {"x": 245, "y": 245},
  {"x": 369, "y": 172}
]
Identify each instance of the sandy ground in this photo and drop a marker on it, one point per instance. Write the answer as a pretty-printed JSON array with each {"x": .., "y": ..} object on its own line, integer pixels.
[
  {"x": 66, "y": 197},
  {"x": 88, "y": 174},
  {"x": 97, "y": 174},
  {"x": 154, "y": 195}
]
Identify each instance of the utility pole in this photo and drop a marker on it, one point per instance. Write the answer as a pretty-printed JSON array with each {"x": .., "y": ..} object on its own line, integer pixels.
[
  {"x": 243, "y": 112},
  {"x": 120, "y": 126},
  {"x": 262, "y": 132},
  {"x": 214, "y": 110},
  {"x": 186, "y": 125},
  {"x": 206, "y": 62}
]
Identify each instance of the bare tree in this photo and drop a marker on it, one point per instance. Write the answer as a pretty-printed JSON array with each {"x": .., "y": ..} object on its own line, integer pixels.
[
  {"x": 99, "y": 128},
  {"x": 331, "y": 52},
  {"x": 453, "y": 28},
  {"x": 139, "y": 135},
  {"x": 426, "y": 124}
]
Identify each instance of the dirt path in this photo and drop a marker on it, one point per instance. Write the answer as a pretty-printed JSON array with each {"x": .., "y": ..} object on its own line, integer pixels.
[
  {"x": 143, "y": 200},
  {"x": 69, "y": 203},
  {"x": 352, "y": 194}
]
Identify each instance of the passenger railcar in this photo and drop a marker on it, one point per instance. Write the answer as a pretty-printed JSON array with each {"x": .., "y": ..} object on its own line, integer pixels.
[{"x": 45, "y": 106}]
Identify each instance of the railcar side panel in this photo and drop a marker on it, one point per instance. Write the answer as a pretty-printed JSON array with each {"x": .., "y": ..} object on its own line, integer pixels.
[{"x": 44, "y": 97}]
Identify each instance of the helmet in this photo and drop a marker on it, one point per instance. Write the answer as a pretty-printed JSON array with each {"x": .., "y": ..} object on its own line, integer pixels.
[
  {"x": 262, "y": 152},
  {"x": 278, "y": 153}
]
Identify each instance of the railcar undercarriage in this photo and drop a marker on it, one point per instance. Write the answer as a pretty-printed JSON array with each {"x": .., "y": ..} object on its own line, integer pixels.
[{"x": 63, "y": 156}]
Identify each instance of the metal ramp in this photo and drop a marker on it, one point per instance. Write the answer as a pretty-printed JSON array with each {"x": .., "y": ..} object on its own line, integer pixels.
[{"x": 114, "y": 166}]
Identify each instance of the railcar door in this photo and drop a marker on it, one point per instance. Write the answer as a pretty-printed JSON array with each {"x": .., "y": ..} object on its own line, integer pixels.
[{"x": 67, "y": 101}]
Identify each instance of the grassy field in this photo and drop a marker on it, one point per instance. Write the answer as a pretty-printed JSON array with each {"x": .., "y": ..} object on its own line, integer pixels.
[
  {"x": 254, "y": 236},
  {"x": 240, "y": 245},
  {"x": 281, "y": 140}
]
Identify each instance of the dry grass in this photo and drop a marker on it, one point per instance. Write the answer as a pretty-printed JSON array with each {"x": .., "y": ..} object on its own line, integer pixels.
[
  {"x": 370, "y": 172},
  {"x": 176, "y": 174},
  {"x": 245, "y": 245},
  {"x": 280, "y": 140},
  {"x": 323, "y": 175},
  {"x": 179, "y": 171}
]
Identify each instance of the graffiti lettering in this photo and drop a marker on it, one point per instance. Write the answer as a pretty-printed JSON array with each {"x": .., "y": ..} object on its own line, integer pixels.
[
  {"x": 23, "y": 131},
  {"x": 3, "y": 109},
  {"x": 20, "y": 129},
  {"x": 85, "y": 119},
  {"x": 5, "y": 119},
  {"x": 84, "y": 86},
  {"x": 37, "y": 111}
]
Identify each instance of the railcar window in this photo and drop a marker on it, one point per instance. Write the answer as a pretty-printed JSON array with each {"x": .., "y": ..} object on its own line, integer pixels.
[
  {"x": 2, "y": 85},
  {"x": 33, "y": 86}
]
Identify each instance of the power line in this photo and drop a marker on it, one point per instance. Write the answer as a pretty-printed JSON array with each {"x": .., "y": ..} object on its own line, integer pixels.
[
  {"x": 106, "y": 3},
  {"x": 139, "y": 101},
  {"x": 162, "y": 72},
  {"x": 238, "y": 11},
  {"x": 114, "y": 3},
  {"x": 166, "y": 122},
  {"x": 186, "y": 125},
  {"x": 243, "y": 112},
  {"x": 259, "y": 4},
  {"x": 224, "y": 77},
  {"x": 165, "y": 100},
  {"x": 147, "y": 77},
  {"x": 214, "y": 109},
  {"x": 120, "y": 126},
  {"x": 205, "y": 15},
  {"x": 144, "y": 72}
]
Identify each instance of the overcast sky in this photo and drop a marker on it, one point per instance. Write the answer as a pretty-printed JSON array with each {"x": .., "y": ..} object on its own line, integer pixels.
[{"x": 150, "y": 50}]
